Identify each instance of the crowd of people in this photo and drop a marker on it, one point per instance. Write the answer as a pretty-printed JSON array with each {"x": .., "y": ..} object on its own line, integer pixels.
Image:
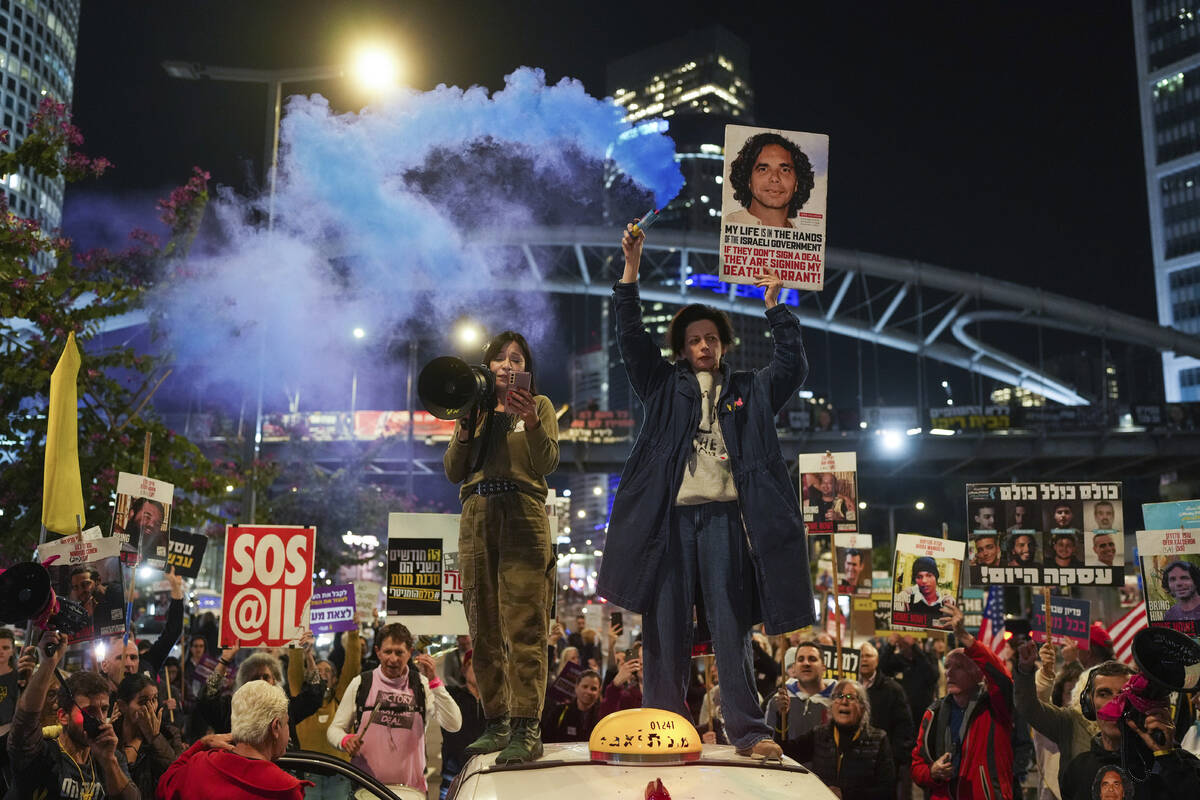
[{"x": 921, "y": 718}]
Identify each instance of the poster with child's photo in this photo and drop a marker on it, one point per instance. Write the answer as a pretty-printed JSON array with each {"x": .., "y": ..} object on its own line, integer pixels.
[
  {"x": 773, "y": 211},
  {"x": 925, "y": 578},
  {"x": 142, "y": 519}
]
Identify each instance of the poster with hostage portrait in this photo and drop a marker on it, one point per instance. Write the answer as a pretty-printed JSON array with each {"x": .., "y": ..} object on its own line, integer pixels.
[
  {"x": 1111, "y": 782},
  {"x": 88, "y": 572},
  {"x": 773, "y": 206},
  {"x": 925, "y": 578},
  {"x": 1046, "y": 534},
  {"x": 853, "y": 554},
  {"x": 142, "y": 519},
  {"x": 829, "y": 492},
  {"x": 1171, "y": 578}
]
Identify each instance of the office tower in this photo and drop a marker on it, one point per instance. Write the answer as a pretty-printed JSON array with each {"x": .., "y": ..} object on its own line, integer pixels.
[
  {"x": 695, "y": 85},
  {"x": 1167, "y": 41}
]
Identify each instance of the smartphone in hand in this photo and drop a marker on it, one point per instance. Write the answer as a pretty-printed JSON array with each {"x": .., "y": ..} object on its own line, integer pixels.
[{"x": 520, "y": 380}]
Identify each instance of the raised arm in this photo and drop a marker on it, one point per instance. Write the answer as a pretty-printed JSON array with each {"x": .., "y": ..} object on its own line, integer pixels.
[
  {"x": 643, "y": 361},
  {"x": 173, "y": 628},
  {"x": 789, "y": 364}
]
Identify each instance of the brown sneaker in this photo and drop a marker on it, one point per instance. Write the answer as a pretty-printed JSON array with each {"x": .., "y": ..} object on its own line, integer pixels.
[{"x": 763, "y": 748}]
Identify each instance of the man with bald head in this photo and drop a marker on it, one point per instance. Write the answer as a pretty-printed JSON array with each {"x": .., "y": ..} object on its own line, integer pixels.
[{"x": 890, "y": 711}]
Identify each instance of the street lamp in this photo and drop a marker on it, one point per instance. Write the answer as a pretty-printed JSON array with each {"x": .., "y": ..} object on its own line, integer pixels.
[
  {"x": 375, "y": 67},
  {"x": 468, "y": 334}
]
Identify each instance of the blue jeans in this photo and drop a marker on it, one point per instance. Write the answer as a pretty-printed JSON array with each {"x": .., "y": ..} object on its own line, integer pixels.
[{"x": 708, "y": 546}]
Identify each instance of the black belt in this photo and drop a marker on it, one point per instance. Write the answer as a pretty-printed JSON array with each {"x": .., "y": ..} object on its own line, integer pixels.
[{"x": 493, "y": 486}]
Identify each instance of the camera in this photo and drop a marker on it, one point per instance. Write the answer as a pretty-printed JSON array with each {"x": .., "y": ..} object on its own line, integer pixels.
[
  {"x": 26, "y": 595},
  {"x": 450, "y": 388}
]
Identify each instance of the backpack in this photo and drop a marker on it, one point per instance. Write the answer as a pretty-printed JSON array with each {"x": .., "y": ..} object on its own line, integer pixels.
[{"x": 364, "y": 691}]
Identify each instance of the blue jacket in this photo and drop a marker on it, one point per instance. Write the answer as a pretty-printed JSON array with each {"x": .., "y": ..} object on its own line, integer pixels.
[{"x": 639, "y": 525}]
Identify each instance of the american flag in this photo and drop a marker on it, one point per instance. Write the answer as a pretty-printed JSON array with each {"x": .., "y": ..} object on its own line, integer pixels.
[
  {"x": 1123, "y": 630},
  {"x": 991, "y": 631}
]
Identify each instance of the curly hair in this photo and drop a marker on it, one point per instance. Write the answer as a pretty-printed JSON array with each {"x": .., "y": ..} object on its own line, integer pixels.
[
  {"x": 743, "y": 167},
  {"x": 677, "y": 330},
  {"x": 499, "y": 342},
  {"x": 1192, "y": 570}
]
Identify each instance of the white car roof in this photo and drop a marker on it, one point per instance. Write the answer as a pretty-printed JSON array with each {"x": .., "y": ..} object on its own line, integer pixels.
[{"x": 567, "y": 770}]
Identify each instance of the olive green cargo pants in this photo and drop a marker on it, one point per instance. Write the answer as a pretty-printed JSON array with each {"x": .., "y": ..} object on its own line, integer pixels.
[{"x": 508, "y": 568}]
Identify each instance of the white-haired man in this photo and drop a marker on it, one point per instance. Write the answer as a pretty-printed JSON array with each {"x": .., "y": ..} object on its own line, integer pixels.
[{"x": 213, "y": 768}]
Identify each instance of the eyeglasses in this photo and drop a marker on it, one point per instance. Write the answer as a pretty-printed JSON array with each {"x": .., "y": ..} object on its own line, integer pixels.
[{"x": 849, "y": 697}]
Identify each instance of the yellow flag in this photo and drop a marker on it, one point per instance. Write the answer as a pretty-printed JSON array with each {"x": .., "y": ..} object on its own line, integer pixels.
[{"x": 62, "y": 490}]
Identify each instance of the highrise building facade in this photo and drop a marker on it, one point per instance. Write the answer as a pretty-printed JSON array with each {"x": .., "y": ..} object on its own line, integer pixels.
[
  {"x": 695, "y": 85},
  {"x": 37, "y": 61},
  {"x": 1167, "y": 41}
]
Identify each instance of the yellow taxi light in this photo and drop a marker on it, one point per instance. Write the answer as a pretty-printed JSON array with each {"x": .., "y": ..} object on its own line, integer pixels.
[{"x": 646, "y": 735}]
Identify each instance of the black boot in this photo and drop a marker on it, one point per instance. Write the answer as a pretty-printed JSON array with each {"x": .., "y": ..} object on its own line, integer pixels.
[
  {"x": 526, "y": 742},
  {"x": 495, "y": 737}
]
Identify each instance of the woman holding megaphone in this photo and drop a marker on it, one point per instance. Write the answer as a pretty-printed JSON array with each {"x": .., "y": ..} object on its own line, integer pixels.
[{"x": 505, "y": 552}]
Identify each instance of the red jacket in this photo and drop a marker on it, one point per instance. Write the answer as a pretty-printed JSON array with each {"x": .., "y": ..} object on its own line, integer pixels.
[
  {"x": 201, "y": 774},
  {"x": 986, "y": 766}
]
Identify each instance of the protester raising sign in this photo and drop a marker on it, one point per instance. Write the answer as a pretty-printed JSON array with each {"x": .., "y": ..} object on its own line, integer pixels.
[
  {"x": 925, "y": 577},
  {"x": 1171, "y": 578},
  {"x": 424, "y": 584},
  {"x": 267, "y": 586}
]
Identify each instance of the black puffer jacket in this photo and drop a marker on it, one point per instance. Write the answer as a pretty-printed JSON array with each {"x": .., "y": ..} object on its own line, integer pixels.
[{"x": 860, "y": 763}]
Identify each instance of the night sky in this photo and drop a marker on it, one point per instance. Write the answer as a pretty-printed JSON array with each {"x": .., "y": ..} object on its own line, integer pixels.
[{"x": 993, "y": 138}]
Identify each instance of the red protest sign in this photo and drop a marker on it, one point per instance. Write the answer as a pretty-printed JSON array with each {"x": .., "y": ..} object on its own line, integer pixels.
[{"x": 268, "y": 584}]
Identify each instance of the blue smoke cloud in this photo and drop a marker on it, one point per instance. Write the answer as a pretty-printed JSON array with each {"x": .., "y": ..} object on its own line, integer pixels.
[{"x": 358, "y": 242}]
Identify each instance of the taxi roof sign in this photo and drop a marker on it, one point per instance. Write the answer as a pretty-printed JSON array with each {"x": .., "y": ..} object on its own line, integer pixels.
[{"x": 646, "y": 735}]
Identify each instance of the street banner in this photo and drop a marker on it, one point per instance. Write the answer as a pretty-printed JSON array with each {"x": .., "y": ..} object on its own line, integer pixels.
[
  {"x": 1171, "y": 578},
  {"x": 849, "y": 662},
  {"x": 267, "y": 588},
  {"x": 853, "y": 553},
  {"x": 926, "y": 577},
  {"x": 424, "y": 582},
  {"x": 1046, "y": 534},
  {"x": 185, "y": 552},
  {"x": 88, "y": 571},
  {"x": 142, "y": 518},
  {"x": 773, "y": 206},
  {"x": 829, "y": 492},
  {"x": 333, "y": 609},
  {"x": 1070, "y": 621}
]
